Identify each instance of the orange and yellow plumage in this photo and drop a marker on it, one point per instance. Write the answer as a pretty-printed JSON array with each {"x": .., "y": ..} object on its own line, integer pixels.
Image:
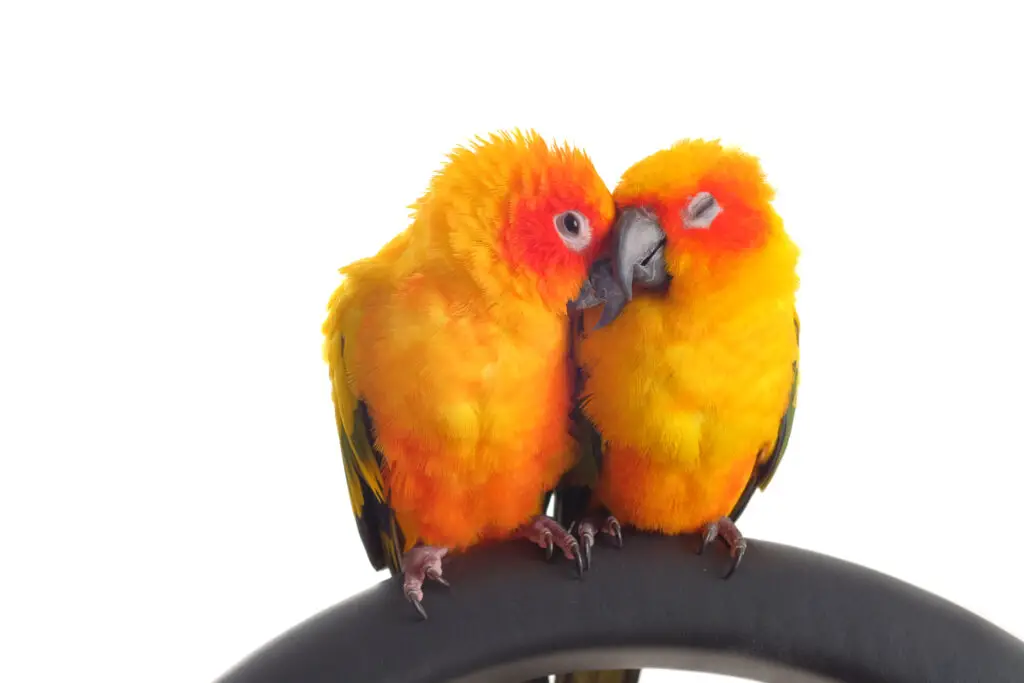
[
  {"x": 692, "y": 389},
  {"x": 448, "y": 349}
]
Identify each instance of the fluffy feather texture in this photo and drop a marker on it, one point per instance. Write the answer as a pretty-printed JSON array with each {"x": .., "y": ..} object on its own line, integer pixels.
[
  {"x": 688, "y": 387},
  {"x": 453, "y": 336}
]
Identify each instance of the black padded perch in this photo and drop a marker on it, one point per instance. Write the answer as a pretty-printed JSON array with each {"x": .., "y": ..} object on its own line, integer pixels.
[{"x": 787, "y": 615}]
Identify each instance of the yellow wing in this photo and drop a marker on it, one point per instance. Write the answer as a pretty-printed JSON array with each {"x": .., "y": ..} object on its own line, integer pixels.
[
  {"x": 768, "y": 461},
  {"x": 378, "y": 529}
]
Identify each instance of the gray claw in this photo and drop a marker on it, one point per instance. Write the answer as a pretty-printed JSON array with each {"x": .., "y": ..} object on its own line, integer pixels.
[
  {"x": 588, "y": 532},
  {"x": 417, "y": 605},
  {"x": 737, "y": 556},
  {"x": 419, "y": 564},
  {"x": 710, "y": 534},
  {"x": 579, "y": 558},
  {"x": 726, "y": 529},
  {"x": 616, "y": 531}
]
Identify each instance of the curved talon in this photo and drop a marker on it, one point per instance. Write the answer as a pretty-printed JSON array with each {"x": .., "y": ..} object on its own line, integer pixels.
[
  {"x": 709, "y": 536},
  {"x": 588, "y": 543},
  {"x": 737, "y": 556},
  {"x": 591, "y": 528},
  {"x": 578, "y": 556},
  {"x": 725, "y": 529},
  {"x": 416, "y": 603},
  {"x": 547, "y": 533},
  {"x": 419, "y": 564},
  {"x": 616, "y": 531},
  {"x": 435, "y": 576}
]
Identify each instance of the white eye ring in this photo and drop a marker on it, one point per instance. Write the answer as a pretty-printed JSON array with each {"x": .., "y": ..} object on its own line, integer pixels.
[
  {"x": 574, "y": 229},
  {"x": 701, "y": 211}
]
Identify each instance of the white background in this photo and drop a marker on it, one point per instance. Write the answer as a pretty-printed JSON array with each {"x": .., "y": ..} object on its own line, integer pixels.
[{"x": 180, "y": 181}]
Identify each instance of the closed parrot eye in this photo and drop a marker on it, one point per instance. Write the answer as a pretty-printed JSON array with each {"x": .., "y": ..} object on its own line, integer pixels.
[
  {"x": 701, "y": 211},
  {"x": 574, "y": 229}
]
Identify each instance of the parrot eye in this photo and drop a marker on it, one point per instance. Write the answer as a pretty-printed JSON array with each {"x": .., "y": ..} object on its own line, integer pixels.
[
  {"x": 701, "y": 211},
  {"x": 574, "y": 229}
]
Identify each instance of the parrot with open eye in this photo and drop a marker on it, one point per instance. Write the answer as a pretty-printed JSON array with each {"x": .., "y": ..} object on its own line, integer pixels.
[
  {"x": 448, "y": 356},
  {"x": 688, "y": 347}
]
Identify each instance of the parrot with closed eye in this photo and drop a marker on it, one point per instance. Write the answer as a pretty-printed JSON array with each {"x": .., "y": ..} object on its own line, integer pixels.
[
  {"x": 448, "y": 356},
  {"x": 687, "y": 340}
]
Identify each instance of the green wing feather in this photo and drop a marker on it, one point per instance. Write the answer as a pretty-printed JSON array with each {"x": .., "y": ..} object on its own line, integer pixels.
[
  {"x": 378, "y": 529},
  {"x": 575, "y": 490}
]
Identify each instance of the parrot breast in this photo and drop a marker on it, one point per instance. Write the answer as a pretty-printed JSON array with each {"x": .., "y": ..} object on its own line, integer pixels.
[
  {"x": 687, "y": 389},
  {"x": 469, "y": 405}
]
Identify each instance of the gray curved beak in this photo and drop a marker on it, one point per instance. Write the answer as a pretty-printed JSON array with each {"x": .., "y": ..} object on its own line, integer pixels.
[
  {"x": 601, "y": 287},
  {"x": 639, "y": 255}
]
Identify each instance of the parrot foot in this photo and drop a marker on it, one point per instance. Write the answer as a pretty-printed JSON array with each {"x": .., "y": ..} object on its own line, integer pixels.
[
  {"x": 419, "y": 564},
  {"x": 588, "y": 531},
  {"x": 549, "y": 534},
  {"x": 725, "y": 529}
]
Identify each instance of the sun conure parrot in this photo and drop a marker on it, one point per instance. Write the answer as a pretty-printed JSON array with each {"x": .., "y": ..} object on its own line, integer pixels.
[
  {"x": 690, "y": 368},
  {"x": 448, "y": 356}
]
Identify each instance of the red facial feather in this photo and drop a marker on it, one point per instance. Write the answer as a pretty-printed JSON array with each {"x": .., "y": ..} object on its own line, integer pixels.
[
  {"x": 741, "y": 225},
  {"x": 530, "y": 240}
]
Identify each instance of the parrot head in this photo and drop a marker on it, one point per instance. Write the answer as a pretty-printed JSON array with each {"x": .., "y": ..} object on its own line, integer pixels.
[
  {"x": 522, "y": 216},
  {"x": 684, "y": 212}
]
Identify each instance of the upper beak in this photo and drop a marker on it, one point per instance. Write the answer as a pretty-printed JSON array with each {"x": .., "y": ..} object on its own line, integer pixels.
[
  {"x": 639, "y": 251},
  {"x": 638, "y": 256}
]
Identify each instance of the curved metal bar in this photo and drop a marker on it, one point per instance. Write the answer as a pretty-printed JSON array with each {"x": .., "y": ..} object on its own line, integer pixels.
[{"x": 786, "y": 615}]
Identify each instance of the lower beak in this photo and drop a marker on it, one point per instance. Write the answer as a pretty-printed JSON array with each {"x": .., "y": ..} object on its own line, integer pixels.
[
  {"x": 600, "y": 288},
  {"x": 638, "y": 258}
]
